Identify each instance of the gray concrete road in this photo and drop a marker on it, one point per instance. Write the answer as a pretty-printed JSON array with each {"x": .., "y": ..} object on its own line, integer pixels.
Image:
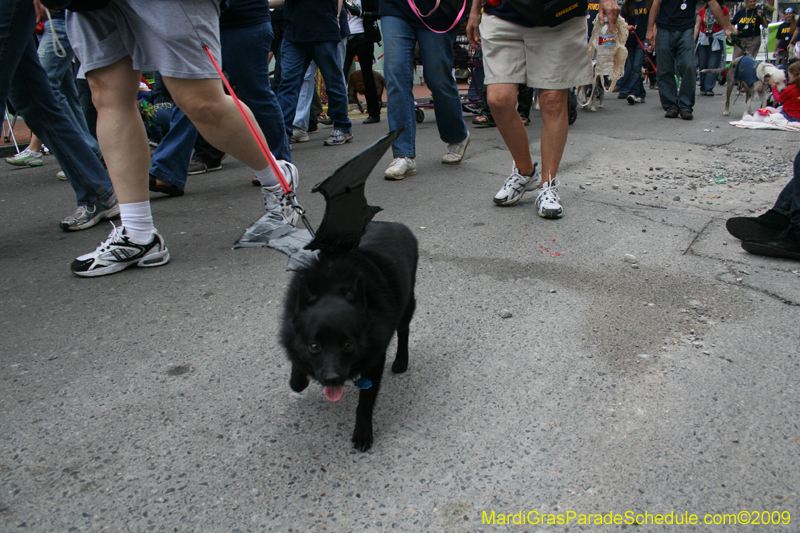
[{"x": 158, "y": 400}]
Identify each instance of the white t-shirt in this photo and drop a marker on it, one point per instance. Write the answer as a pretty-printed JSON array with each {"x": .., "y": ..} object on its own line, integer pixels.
[{"x": 356, "y": 23}]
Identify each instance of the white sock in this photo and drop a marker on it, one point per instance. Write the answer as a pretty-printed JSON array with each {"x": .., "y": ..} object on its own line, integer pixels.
[
  {"x": 267, "y": 177},
  {"x": 138, "y": 221}
]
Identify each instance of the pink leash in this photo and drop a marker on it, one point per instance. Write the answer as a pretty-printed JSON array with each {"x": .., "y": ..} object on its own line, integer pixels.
[{"x": 420, "y": 16}]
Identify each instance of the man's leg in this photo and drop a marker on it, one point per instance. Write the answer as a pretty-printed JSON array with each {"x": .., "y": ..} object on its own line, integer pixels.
[
  {"x": 305, "y": 97},
  {"x": 687, "y": 70},
  {"x": 399, "y": 41},
  {"x": 502, "y": 98},
  {"x": 554, "y": 130},
  {"x": 665, "y": 62},
  {"x": 294, "y": 63},
  {"x": 327, "y": 56},
  {"x": 171, "y": 159}
]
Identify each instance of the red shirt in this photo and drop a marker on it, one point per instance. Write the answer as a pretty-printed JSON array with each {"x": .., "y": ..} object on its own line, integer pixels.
[
  {"x": 702, "y": 14},
  {"x": 790, "y": 98}
]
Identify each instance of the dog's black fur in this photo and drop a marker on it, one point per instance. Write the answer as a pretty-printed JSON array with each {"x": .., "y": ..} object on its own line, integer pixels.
[{"x": 341, "y": 313}]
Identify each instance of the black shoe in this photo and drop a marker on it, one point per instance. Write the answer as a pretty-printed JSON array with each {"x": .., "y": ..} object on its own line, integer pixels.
[
  {"x": 622, "y": 96},
  {"x": 372, "y": 120},
  {"x": 170, "y": 189},
  {"x": 671, "y": 113},
  {"x": 686, "y": 114},
  {"x": 786, "y": 245},
  {"x": 312, "y": 128},
  {"x": 763, "y": 228}
]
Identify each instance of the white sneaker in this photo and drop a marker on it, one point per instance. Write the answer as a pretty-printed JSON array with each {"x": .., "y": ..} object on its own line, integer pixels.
[
  {"x": 118, "y": 253},
  {"x": 27, "y": 157},
  {"x": 547, "y": 205},
  {"x": 400, "y": 168},
  {"x": 274, "y": 197},
  {"x": 455, "y": 152},
  {"x": 299, "y": 136},
  {"x": 516, "y": 185}
]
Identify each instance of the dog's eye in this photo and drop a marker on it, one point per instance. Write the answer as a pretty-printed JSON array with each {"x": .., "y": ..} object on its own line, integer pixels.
[
  {"x": 348, "y": 346},
  {"x": 315, "y": 347}
]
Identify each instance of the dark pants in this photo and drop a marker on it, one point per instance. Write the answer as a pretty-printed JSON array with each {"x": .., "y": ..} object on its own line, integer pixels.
[
  {"x": 676, "y": 57},
  {"x": 788, "y": 203},
  {"x": 359, "y": 45}
]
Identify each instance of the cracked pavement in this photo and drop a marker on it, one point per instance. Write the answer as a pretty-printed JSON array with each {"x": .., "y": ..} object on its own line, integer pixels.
[{"x": 648, "y": 362}]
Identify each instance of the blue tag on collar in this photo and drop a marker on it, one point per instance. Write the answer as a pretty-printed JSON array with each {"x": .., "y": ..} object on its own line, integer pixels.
[{"x": 363, "y": 383}]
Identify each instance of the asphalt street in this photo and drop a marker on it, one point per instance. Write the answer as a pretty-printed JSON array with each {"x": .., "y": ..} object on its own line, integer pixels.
[{"x": 648, "y": 365}]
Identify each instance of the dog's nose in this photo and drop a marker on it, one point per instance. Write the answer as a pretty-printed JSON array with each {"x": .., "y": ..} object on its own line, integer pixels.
[{"x": 330, "y": 377}]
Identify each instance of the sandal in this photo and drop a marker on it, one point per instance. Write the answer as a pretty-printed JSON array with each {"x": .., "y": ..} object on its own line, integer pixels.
[
  {"x": 483, "y": 121},
  {"x": 167, "y": 188},
  {"x": 525, "y": 119}
]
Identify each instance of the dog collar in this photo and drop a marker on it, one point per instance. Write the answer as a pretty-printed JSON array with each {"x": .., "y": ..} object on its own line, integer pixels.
[{"x": 362, "y": 383}]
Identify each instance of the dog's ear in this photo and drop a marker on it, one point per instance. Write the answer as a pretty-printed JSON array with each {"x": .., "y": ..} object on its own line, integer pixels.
[
  {"x": 356, "y": 294},
  {"x": 305, "y": 298}
]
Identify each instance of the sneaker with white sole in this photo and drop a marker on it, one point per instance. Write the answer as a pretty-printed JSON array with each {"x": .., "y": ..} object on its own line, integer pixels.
[
  {"x": 547, "y": 202},
  {"x": 400, "y": 168},
  {"x": 299, "y": 136},
  {"x": 87, "y": 216},
  {"x": 455, "y": 152},
  {"x": 516, "y": 185},
  {"x": 339, "y": 137},
  {"x": 274, "y": 195},
  {"x": 61, "y": 176},
  {"x": 118, "y": 252},
  {"x": 27, "y": 157}
]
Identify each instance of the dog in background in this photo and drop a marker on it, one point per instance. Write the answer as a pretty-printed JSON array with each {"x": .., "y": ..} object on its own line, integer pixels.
[
  {"x": 588, "y": 93},
  {"x": 356, "y": 87},
  {"x": 341, "y": 313},
  {"x": 751, "y": 77}
]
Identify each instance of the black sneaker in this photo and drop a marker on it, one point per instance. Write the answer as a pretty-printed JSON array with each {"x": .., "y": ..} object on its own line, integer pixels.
[
  {"x": 622, "y": 96},
  {"x": 765, "y": 227},
  {"x": 786, "y": 245},
  {"x": 118, "y": 253}
]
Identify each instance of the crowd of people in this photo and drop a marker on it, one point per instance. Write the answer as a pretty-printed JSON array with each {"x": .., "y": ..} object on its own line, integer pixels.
[{"x": 193, "y": 123}]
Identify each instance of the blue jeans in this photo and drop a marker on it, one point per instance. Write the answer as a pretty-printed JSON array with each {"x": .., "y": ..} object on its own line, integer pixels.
[
  {"x": 245, "y": 57},
  {"x": 788, "y": 203},
  {"x": 62, "y": 80},
  {"x": 632, "y": 82},
  {"x": 296, "y": 58},
  {"x": 708, "y": 58},
  {"x": 399, "y": 40},
  {"x": 301, "y": 115},
  {"x": 676, "y": 56},
  {"x": 25, "y": 83}
]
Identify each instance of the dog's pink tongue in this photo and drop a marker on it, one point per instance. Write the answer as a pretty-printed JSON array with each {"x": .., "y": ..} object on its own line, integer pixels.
[{"x": 333, "y": 394}]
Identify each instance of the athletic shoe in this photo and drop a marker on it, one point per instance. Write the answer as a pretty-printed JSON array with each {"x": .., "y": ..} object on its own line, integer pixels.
[
  {"x": 765, "y": 227},
  {"x": 87, "y": 216},
  {"x": 275, "y": 193},
  {"x": 455, "y": 152},
  {"x": 635, "y": 99},
  {"x": 400, "y": 168},
  {"x": 516, "y": 185},
  {"x": 786, "y": 245},
  {"x": 61, "y": 176},
  {"x": 27, "y": 157},
  {"x": 118, "y": 253},
  {"x": 299, "y": 136},
  {"x": 339, "y": 137},
  {"x": 622, "y": 96},
  {"x": 198, "y": 167},
  {"x": 547, "y": 205}
]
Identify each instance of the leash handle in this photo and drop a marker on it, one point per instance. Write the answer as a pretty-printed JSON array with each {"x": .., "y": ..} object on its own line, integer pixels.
[{"x": 261, "y": 144}]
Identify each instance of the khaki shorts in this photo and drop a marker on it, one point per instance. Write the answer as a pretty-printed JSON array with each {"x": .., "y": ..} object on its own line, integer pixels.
[{"x": 541, "y": 57}]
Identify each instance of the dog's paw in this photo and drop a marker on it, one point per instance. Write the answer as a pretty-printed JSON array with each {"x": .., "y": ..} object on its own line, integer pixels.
[
  {"x": 593, "y": 109},
  {"x": 398, "y": 367},
  {"x": 298, "y": 383},
  {"x": 362, "y": 440},
  {"x": 726, "y": 113}
]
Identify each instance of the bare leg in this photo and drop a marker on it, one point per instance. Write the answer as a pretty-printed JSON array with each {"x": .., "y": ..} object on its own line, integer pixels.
[
  {"x": 502, "y": 99},
  {"x": 120, "y": 130},
  {"x": 217, "y": 119},
  {"x": 555, "y": 113}
]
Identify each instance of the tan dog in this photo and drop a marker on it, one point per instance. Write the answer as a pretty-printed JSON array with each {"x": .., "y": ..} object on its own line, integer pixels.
[{"x": 356, "y": 87}]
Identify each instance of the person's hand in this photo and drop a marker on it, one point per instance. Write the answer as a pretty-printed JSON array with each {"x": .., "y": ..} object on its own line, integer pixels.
[
  {"x": 771, "y": 82},
  {"x": 41, "y": 11},
  {"x": 609, "y": 9},
  {"x": 473, "y": 30},
  {"x": 651, "y": 38}
]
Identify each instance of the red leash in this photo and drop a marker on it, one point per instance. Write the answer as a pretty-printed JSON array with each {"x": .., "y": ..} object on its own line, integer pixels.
[
  {"x": 645, "y": 51},
  {"x": 261, "y": 144}
]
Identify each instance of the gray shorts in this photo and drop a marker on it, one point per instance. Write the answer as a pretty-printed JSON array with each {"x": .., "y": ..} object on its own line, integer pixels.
[
  {"x": 163, "y": 35},
  {"x": 541, "y": 57}
]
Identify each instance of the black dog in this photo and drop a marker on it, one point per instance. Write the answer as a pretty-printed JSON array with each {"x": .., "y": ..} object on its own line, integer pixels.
[{"x": 341, "y": 313}]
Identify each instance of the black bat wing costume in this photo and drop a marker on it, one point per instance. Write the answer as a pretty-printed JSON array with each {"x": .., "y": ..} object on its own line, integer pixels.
[{"x": 347, "y": 213}]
